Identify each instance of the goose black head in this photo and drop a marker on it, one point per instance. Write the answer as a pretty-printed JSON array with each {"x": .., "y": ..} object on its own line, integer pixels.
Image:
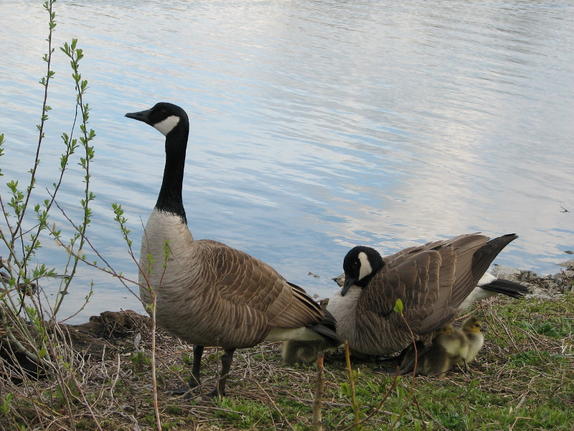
[
  {"x": 171, "y": 121},
  {"x": 360, "y": 265},
  {"x": 165, "y": 117}
]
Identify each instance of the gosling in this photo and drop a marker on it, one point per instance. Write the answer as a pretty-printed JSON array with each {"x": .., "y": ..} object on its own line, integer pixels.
[
  {"x": 472, "y": 329},
  {"x": 448, "y": 348}
]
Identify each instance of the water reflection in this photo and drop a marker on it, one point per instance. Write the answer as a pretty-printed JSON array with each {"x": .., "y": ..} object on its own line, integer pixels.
[{"x": 315, "y": 125}]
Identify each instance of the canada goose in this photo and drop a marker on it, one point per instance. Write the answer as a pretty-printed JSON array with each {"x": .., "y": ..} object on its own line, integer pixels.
[
  {"x": 431, "y": 280},
  {"x": 487, "y": 286},
  {"x": 207, "y": 293},
  {"x": 472, "y": 329}
]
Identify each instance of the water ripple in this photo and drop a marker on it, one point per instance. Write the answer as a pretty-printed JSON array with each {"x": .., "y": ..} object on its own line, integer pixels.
[{"x": 315, "y": 125}]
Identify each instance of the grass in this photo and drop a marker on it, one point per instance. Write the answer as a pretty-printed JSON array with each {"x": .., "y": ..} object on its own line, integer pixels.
[{"x": 523, "y": 379}]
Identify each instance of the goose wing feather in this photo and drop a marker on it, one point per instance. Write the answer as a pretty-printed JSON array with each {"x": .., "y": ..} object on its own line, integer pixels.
[
  {"x": 431, "y": 280},
  {"x": 246, "y": 287}
]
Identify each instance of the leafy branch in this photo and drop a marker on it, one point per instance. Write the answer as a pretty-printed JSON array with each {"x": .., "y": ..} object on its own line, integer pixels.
[
  {"x": 19, "y": 254},
  {"x": 87, "y": 135}
]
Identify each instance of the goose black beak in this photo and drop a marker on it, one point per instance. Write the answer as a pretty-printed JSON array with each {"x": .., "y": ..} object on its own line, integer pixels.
[
  {"x": 349, "y": 281},
  {"x": 140, "y": 116}
]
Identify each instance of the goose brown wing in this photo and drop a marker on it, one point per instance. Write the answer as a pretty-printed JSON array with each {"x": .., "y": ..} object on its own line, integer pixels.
[
  {"x": 474, "y": 254},
  {"x": 250, "y": 289},
  {"x": 432, "y": 280},
  {"x": 401, "y": 256},
  {"x": 422, "y": 281}
]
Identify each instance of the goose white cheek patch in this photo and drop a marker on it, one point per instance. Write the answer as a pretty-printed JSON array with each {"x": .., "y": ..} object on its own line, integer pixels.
[
  {"x": 366, "y": 267},
  {"x": 167, "y": 125}
]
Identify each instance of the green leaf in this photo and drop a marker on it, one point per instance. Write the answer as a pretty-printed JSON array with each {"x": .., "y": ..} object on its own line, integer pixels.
[{"x": 399, "y": 306}]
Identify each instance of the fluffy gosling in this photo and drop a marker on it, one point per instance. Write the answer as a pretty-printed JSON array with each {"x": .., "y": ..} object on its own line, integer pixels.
[
  {"x": 448, "y": 348},
  {"x": 472, "y": 329}
]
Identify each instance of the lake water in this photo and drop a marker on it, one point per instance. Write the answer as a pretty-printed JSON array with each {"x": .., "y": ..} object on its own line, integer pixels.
[{"x": 315, "y": 125}]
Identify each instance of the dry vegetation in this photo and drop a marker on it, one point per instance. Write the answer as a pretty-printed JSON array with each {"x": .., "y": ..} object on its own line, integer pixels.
[{"x": 523, "y": 379}]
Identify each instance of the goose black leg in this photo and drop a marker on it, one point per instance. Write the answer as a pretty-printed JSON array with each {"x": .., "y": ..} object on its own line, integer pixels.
[
  {"x": 194, "y": 379},
  {"x": 197, "y": 353},
  {"x": 226, "y": 360}
]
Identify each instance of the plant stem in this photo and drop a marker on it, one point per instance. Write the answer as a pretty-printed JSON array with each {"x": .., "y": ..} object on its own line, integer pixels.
[
  {"x": 75, "y": 55},
  {"x": 351, "y": 377},
  {"x": 317, "y": 419},
  {"x": 153, "y": 362},
  {"x": 48, "y": 5}
]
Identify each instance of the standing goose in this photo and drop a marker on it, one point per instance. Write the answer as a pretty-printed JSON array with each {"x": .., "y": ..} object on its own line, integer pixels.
[
  {"x": 207, "y": 293},
  {"x": 431, "y": 280}
]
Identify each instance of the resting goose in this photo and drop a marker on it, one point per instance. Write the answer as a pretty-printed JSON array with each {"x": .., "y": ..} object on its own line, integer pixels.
[
  {"x": 431, "y": 280},
  {"x": 207, "y": 293},
  {"x": 487, "y": 286}
]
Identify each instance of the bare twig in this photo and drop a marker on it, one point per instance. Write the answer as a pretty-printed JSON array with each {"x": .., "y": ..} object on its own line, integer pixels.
[
  {"x": 317, "y": 419},
  {"x": 153, "y": 361},
  {"x": 413, "y": 343},
  {"x": 277, "y": 409}
]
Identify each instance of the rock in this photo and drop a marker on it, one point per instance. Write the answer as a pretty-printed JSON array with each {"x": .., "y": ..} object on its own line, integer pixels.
[{"x": 541, "y": 286}]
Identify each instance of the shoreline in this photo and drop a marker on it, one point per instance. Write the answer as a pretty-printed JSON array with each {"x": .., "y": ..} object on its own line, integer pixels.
[{"x": 529, "y": 344}]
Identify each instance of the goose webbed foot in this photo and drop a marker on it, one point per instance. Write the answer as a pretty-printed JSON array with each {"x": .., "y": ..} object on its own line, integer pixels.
[
  {"x": 179, "y": 391},
  {"x": 184, "y": 392}
]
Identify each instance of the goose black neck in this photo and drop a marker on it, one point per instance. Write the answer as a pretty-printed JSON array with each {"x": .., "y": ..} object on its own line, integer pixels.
[{"x": 170, "y": 199}]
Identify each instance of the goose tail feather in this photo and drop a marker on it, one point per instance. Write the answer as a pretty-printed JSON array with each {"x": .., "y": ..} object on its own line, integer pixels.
[{"x": 506, "y": 287}]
